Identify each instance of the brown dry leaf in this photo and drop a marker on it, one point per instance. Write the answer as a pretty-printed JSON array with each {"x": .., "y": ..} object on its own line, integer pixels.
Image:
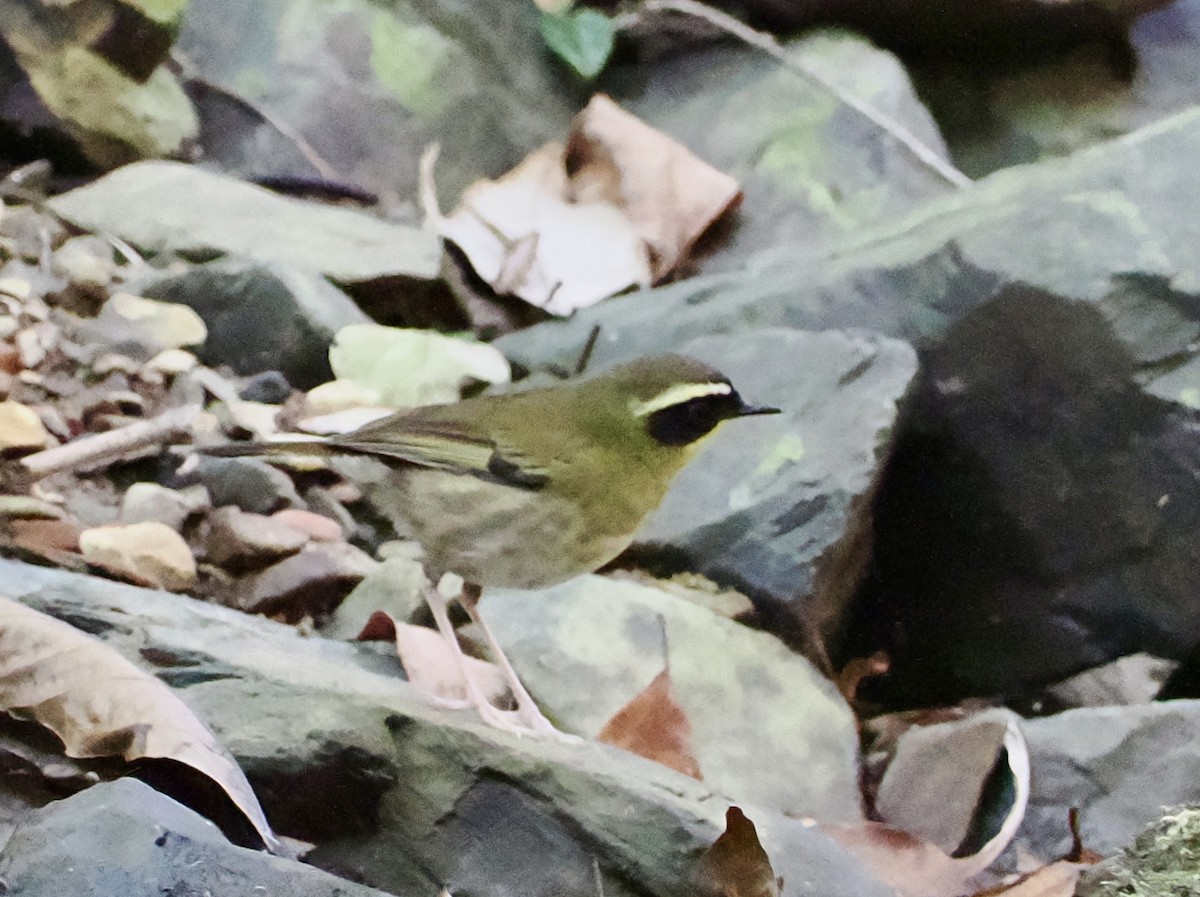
[
  {"x": 101, "y": 705},
  {"x": 654, "y": 726},
  {"x": 620, "y": 206},
  {"x": 1055, "y": 880},
  {"x": 429, "y": 663},
  {"x": 670, "y": 195},
  {"x": 524, "y": 237},
  {"x": 735, "y": 865}
]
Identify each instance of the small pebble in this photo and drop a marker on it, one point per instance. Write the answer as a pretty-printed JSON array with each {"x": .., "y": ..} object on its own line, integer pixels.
[
  {"x": 172, "y": 361},
  {"x": 21, "y": 429},
  {"x": 317, "y": 527},
  {"x": 250, "y": 483},
  {"x": 152, "y": 552},
  {"x": 86, "y": 260},
  {"x": 152, "y": 503},
  {"x": 268, "y": 388},
  {"x": 310, "y": 583},
  {"x": 167, "y": 325},
  {"x": 237, "y": 539}
]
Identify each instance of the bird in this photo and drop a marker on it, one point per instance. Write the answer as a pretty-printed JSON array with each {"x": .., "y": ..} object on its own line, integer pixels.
[{"x": 528, "y": 489}]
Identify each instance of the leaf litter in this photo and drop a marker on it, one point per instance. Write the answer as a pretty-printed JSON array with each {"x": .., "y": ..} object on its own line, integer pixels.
[
  {"x": 618, "y": 205},
  {"x": 99, "y": 704}
]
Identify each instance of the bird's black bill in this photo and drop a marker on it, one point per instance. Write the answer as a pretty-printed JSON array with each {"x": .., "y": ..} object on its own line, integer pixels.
[{"x": 748, "y": 410}]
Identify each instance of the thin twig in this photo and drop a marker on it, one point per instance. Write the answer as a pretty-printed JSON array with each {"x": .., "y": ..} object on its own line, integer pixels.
[
  {"x": 585, "y": 357},
  {"x": 768, "y": 44},
  {"x": 104, "y": 448}
]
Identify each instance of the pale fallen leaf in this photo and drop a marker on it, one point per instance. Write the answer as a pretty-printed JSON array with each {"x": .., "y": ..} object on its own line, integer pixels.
[
  {"x": 654, "y": 726},
  {"x": 523, "y": 236},
  {"x": 669, "y": 194},
  {"x": 429, "y": 663},
  {"x": 406, "y": 367},
  {"x": 735, "y": 865},
  {"x": 102, "y": 705}
]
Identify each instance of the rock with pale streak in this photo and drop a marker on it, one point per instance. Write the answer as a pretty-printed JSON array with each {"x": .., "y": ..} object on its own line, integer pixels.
[
  {"x": 149, "y": 551},
  {"x": 21, "y": 429}
]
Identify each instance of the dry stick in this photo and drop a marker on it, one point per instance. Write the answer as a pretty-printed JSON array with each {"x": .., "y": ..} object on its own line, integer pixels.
[
  {"x": 769, "y": 45},
  {"x": 101, "y": 448}
]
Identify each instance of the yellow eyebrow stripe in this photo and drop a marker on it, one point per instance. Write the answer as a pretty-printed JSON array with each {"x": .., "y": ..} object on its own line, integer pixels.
[{"x": 677, "y": 395}]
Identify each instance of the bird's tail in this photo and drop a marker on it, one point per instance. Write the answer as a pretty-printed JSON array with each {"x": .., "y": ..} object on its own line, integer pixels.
[{"x": 315, "y": 447}]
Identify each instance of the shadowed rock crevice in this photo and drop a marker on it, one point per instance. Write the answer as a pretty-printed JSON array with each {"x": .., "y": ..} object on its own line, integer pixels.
[{"x": 1040, "y": 508}]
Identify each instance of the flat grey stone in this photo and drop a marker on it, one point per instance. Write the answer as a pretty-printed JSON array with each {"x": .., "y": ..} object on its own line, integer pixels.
[
  {"x": 125, "y": 838},
  {"x": 1119, "y": 765},
  {"x": 171, "y": 207}
]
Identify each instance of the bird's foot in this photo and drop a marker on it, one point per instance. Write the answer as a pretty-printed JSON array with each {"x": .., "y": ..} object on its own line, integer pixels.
[{"x": 521, "y": 722}]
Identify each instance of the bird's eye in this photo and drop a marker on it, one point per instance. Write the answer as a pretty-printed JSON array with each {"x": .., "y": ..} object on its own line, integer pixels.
[{"x": 702, "y": 414}]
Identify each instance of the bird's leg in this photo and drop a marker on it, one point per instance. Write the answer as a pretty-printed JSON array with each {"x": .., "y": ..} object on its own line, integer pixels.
[
  {"x": 506, "y": 720},
  {"x": 437, "y": 606},
  {"x": 527, "y": 712}
]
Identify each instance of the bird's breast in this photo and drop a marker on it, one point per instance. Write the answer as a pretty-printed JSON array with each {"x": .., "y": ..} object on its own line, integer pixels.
[{"x": 497, "y": 535}]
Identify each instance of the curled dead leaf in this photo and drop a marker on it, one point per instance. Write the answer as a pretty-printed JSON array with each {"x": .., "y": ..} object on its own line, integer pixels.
[
  {"x": 100, "y": 704},
  {"x": 918, "y": 868}
]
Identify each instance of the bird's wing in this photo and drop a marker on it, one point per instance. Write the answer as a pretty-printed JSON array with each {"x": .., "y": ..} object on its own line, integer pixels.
[{"x": 444, "y": 446}]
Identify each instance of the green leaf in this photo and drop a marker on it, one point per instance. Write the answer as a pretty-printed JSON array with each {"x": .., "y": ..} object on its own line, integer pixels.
[{"x": 583, "y": 39}]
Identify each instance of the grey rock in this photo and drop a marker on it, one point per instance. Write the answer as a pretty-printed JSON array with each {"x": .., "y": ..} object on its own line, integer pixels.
[
  {"x": 780, "y": 507},
  {"x": 1045, "y": 467},
  {"x": 808, "y": 163},
  {"x": 125, "y": 838},
  {"x": 293, "y": 314},
  {"x": 485, "y": 89},
  {"x": 810, "y": 167},
  {"x": 250, "y": 483},
  {"x": 171, "y": 207},
  {"x": 406, "y": 785},
  {"x": 309, "y": 583},
  {"x": 150, "y": 502},
  {"x": 1119, "y": 765},
  {"x": 268, "y": 387},
  {"x": 730, "y": 680},
  {"x": 1134, "y": 679},
  {"x": 394, "y": 587},
  {"x": 238, "y": 540},
  {"x": 110, "y": 97}
]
